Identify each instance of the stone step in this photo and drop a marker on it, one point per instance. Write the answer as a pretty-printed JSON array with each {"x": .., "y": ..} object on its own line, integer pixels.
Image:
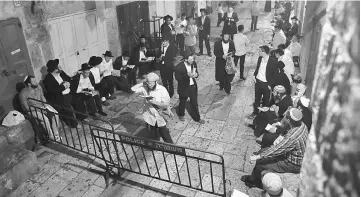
[{"x": 16, "y": 166}]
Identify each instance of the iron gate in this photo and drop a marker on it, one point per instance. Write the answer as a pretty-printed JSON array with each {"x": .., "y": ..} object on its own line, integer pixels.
[{"x": 184, "y": 166}]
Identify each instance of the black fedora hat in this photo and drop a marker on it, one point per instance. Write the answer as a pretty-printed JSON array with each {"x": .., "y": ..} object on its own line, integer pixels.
[
  {"x": 203, "y": 10},
  {"x": 168, "y": 16},
  {"x": 108, "y": 54},
  {"x": 94, "y": 60},
  {"x": 294, "y": 18},
  {"x": 52, "y": 65},
  {"x": 85, "y": 66}
]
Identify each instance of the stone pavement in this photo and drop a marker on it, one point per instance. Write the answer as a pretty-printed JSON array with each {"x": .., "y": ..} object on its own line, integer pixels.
[{"x": 224, "y": 133}]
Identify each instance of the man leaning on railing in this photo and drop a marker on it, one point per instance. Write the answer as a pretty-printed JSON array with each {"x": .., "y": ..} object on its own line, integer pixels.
[{"x": 39, "y": 110}]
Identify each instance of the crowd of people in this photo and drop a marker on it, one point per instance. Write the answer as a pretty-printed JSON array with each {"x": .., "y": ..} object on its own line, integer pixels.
[{"x": 280, "y": 110}]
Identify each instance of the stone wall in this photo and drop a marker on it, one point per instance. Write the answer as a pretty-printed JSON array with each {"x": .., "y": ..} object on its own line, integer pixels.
[{"x": 332, "y": 162}]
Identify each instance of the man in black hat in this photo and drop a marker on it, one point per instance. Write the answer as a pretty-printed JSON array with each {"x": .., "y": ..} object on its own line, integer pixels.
[
  {"x": 167, "y": 30},
  {"x": 127, "y": 75},
  {"x": 100, "y": 84},
  {"x": 57, "y": 86},
  {"x": 204, "y": 25},
  {"x": 166, "y": 58},
  {"x": 82, "y": 88}
]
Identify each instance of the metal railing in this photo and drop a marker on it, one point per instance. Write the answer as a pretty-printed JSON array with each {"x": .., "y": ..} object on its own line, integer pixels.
[
  {"x": 184, "y": 166},
  {"x": 78, "y": 138}
]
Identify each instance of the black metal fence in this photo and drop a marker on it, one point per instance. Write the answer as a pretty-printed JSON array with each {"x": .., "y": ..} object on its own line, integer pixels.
[
  {"x": 48, "y": 124},
  {"x": 188, "y": 167}
]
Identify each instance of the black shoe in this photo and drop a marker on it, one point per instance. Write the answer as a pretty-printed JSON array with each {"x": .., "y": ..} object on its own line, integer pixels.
[
  {"x": 102, "y": 113},
  {"x": 242, "y": 78},
  {"x": 105, "y": 103},
  {"x": 209, "y": 55},
  {"x": 112, "y": 97},
  {"x": 199, "y": 54},
  {"x": 93, "y": 115}
]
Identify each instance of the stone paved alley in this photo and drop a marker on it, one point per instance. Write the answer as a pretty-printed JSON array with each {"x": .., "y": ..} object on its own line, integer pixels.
[{"x": 223, "y": 133}]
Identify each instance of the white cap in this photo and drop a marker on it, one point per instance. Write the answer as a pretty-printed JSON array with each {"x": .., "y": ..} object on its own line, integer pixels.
[
  {"x": 272, "y": 183},
  {"x": 305, "y": 101}
]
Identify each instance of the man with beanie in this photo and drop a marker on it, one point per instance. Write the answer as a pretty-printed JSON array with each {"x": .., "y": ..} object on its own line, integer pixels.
[
  {"x": 156, "y": 105},
  {"x": 272, "y": 185},
  {"x": 284, "y": 157}
]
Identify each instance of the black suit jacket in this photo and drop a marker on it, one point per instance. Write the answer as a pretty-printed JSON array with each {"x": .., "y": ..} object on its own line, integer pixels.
[
  {"x": 271, "y": 70},
  {"x": 220, "y": 62},
  {"x": 54, "y": 89},
  {"x": 206, "y": 25},
  {"x": 167, "y": 69},
  {"x": 118, "y": 64},
  {"x": 75, "y": 82},
  {"x": 230, "y": 26},
  {"x": 166, "y": 32},
  {"x": 181, "y": 75}
]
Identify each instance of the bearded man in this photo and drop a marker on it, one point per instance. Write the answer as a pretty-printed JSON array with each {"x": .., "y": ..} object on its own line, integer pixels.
[
  {"x": 284, "y": 157},
  {"x": 156, "y": 103}
]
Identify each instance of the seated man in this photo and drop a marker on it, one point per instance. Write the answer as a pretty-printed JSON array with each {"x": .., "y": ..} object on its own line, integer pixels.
[
  {"x": 156, "y": 107},
  {"x": 121, "y": 65},
  {"x": 139, "y": 59},
  {"x": 284, "y": 157},
  {"x": 100, "y": 84},
  {"x": 57, "y": 85},
  {"x": 274, "y": 113},
  {"x": 82, "y": 88},
  {"x": 43, "y": 112},
  {"x": 302, "y": 105}
]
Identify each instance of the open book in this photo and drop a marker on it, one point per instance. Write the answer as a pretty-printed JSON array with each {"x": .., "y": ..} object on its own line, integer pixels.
[
  {"x": 131, "y": 66},
  {"x": 116, "y": 73}
]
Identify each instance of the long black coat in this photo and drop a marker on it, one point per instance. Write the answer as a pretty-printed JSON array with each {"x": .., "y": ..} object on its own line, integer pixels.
[
  {"x": 271, "y": 70},
  {"x": 166, "y": 32},
  {"x": 220, "y": 62},
  {"x": 230, "y": 26},
  {"x": 54, "y": 89},
  {"x": 167, "y": 69},
  {"x": 181, "y": 75}
]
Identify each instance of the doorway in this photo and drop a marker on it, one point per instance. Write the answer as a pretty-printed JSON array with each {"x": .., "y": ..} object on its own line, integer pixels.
[{"x": 15, "y": 62}]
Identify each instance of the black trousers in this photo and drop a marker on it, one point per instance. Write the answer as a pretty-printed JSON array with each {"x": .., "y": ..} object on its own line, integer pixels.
[
  {"x": 276, "y": 164},
  {"x": 268, "y": 138},
  {"x": 110, "y": 84},
  {"x": 132, "y": 77},
  {"x": 84, "y": 102},
  {"x": 167, "y": 81},
  {"x": 143, "y": 68},
  {"x": 241, "y": 64},
  {"x": 202, "y": 37},
  {"x": 102, "y": 88},
  {"x": 180, "y": 42},
  {"x": 156, "y": 132},
  {"x": 122, "y": 83},
  {"x": 261, "y": 120},
  {"x": 220, "y": 18},
  {"x": 261, "y": 93},
  {"x": 226, "y": 82},
  {"x": 254, "y": 23},
  {"x": 66, "y": 110},
  {"x": 192, "y": 94}
]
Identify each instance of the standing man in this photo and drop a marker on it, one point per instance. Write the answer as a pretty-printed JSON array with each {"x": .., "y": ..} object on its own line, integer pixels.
[
  {"x": 278, "y": 38},
  {"x": 167, "y": 68},
  {"x": 222, "y": 50},
  {"x": 264, "y": 77},
  {"x": 185, "y": 74},
  {"x": 254, "y": 14},
  {"x": 181, "y": 23},
  {"x": 190, "y": 39},
  {"x": 240, "y": 43},
  {"x": 230, "y": 22},
  {"x": 220, "y": 14},
  {"x": 167, "y": 30},
  {"x": 153, "y": 108},
  {"x": 204, "y": 26}
]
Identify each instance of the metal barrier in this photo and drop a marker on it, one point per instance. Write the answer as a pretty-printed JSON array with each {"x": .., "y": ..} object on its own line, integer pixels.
[
  {"x": 78, "y": 138},
  {"x": 188, "y": 167}
]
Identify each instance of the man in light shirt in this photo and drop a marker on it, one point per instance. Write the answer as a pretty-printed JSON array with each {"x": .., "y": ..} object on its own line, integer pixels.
[
  {"x": 190, "y": 39},
  {"x": 240, "y": 43},
  {"x": 100, "y": 84},
  {"x": 264, "y": 76},
  {"x": 278, "y": 38},
  {"x": 180, "y": 24},
  {"x": 220, "y": 14},
  {"x": 106, "y": 71},
  {"x": 156, "y": 102},
  {"x": 287, "y": 61}
]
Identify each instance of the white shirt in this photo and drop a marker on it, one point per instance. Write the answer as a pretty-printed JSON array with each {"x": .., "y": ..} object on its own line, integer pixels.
[
  {"x": 278, "y": 39},
  {"x": 178, "y": 28},
  {"x": 189, "y": 69},
  {"x": 225, "y": 47},
  {"x": 289, "y": 65},
  {"x": 262, "y": 70},
  {"x": 106, "y": 67},
  {"x": 295, "y": 48},
  {"x": 220, "y": 10},
  {"x": 60, "y": 80},
  {"x": 141, "y": 55},
  {"x": 202, "y": 19},
  {"x": 240, "y": 43},
  {"x": 229, "y": 14},
  {"x": 124, "y": 62},
  {"x": 150, "y": 114},
  {"x": 96, "y": 73},
  {"x": 163, "y": 52},
  {"x": 84, "y": 83}
]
